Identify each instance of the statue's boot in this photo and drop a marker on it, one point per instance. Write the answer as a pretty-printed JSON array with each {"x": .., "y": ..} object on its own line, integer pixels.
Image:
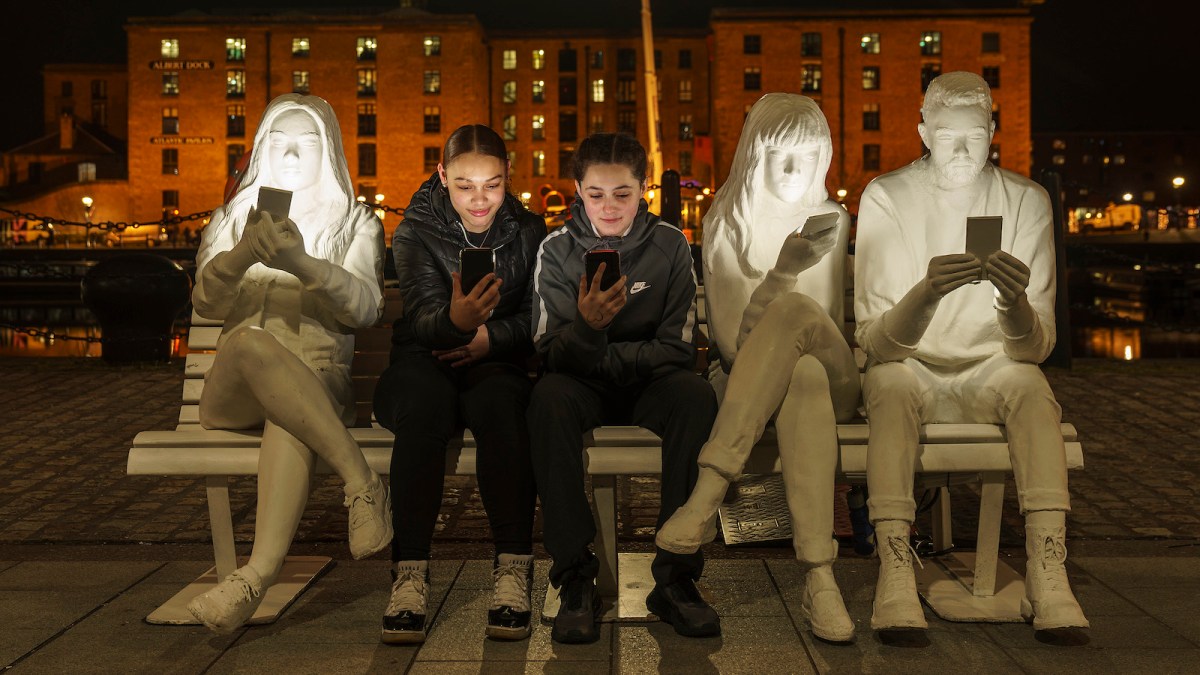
[
  {"x": 896, "y": 603},
  {"x": 822, "y": 602},
  {"x": 695, "y": 522},
  {"x": 1048, "y": 602}
]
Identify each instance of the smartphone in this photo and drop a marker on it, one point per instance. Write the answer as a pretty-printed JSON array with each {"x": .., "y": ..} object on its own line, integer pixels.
[
  {"x": 473, "y": 265},
  {"x": 612, "y": 267},
  {"x": 275, "y": 202},
  {"x": 983, "y": 238},
  {"x": 817, "y": 224}
]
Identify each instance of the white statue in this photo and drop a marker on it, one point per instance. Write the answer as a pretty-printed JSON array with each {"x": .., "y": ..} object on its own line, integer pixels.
[
  {"x": 775, "y": 304},
  {"x": 291, "y": 293},
  {"x": 943, "y": 348}
]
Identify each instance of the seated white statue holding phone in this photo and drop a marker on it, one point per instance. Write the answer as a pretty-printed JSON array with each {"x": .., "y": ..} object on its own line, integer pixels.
[{"x": 944, "y": 345}]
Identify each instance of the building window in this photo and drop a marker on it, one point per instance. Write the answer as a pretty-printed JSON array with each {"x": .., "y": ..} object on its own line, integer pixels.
[
  {"x": 685, "y": 91},
  {"x": 365, "y": 49},
  {"x": 235, "y": 49},
  {"x": 568, "y": 92},
  {"x": 685, "y": 127},
  {"x": 991, "y": 43},
  {"x": 810, "y": 78},
  {"x": 432, "y": 119},
  {"x": 539, "y": 127},
  {"x": 564, "y": 162},
  {"x": 658, "y": 59},
  {"x": 752, "y": 79},
  {"x": 170, "y": 162},
  {"x": 870, "y": 119},
  {"x": 1059, "y": 144},
  {"x": 598, "y": 59},
  {"x": 751, "y": 44},
  {"x": 99, "y": 89},
  {"x": 626, "y": 60},
  {"x": 869, "y": 43},
  {"x": 170, "y": 48},
  {"x": 539, "y": 163},
  {"x": 510, "y": 127},
  {"x": 432, "y": 45},
  {"x": 870, "y": 77},
  {"x": 233, "y": 155},
  {"x": 67, "y": 89},
  {"x": 1118, "y": 159},
  {"x": 685, "y": 162},
  {"x": 100, "y": 113},
  {"x": 931, "y": 43},
  {"x": 685, "y": 58},
  {"x": 366, "y": 119},
  {"x": 568, "y": 127},
  {"x": 626, "y": 90},
  {"x": 170, "y": 121},
  {"x": 1059, "y": 160},
  {"x": 170, "y": 83},
  {"x": 235, "y": 120},
  {"x": 366, "y": 159},
  {"x": 597, "y": 91},
  {"x": 300, "y": 46},
  {"x": 508, "y": 59},
  {"x": 300, "y": 81},
  {"x": 994, "y": 154},
  {"x": 235, "y": 82},
  {"x": 627, "y": 121},
  {"x": 67, "y": 110},
  {"x": 567, "y": 60},
  {"x": 991, "y": 75},
  {"x": 810, "y": 44},
  {"x": 509, "y": 91},
  {"x": 871, "y": 157},
  {"x": 366, "y": 81},
  {"x": 928, "y": 72},
  {"x": 433, "y": 82},
  {"x": 596, "y": 125},
  {"x": 539, "y": 91},
  {"x": 433, "y": 157},
  {"x": 170, "y": 200},
  {"x": 539, "y": 58}
]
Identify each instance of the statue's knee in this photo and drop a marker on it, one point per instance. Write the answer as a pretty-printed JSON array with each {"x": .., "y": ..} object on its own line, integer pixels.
[
  {"x": 792, "y": 310},
  {"x": 250, "y": 344},
  {"x": 1025, "y": 383},
  {"x": 891, "y": 383},
  {"x": 810, "y": 373}
]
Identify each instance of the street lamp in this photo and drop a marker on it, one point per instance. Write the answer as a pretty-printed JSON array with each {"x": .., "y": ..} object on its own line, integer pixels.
[
  {"x": 379, "y": 212},
  {"x": 1128, "y": 197},
  {"x": 87, "y": 219},
  {"x": 841, "y": 195},
  {"x": 1178, "y": 182}
]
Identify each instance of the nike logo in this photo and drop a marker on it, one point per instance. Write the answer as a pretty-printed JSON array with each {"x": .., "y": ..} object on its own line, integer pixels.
[{"x": 638, "y": 287}]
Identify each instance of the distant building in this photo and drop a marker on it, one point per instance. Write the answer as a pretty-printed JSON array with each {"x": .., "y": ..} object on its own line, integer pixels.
[{"x": 97, "y": 94}]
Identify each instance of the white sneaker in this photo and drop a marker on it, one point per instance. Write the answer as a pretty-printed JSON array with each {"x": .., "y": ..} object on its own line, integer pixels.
[
  {"x": 404, "y": 619},
  {"x": 508, "y": 617},
  {"x": 822, "y": 604},
  {"x": 370, "y": 519},
  {"x": 896, "y": 603},
  {"x": 231, "y": 603}
]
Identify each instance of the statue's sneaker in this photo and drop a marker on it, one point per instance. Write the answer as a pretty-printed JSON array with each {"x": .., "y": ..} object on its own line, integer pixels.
[
  {"x": 231, "y": 603},
  {"x": 370, "y": 519}
]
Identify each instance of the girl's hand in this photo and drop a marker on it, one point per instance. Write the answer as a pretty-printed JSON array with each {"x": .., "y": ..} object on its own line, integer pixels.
[
  {"x": 469, "y": 311},
  {"x": 598, "y": 308}
]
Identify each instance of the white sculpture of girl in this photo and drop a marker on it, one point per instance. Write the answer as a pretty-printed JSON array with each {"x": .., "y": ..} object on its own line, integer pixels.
[
  {"x": 291, "y": 293},
  {"x": 775, "y": 310}
]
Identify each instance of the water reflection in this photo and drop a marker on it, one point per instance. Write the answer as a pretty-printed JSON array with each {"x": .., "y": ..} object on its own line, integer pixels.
[{"x": 61, "y": 330}]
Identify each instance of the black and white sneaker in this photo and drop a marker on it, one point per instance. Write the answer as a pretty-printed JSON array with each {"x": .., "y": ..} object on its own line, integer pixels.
[
  {"x": 407, "y": 609},
  {"x": 508, "y": 617}
]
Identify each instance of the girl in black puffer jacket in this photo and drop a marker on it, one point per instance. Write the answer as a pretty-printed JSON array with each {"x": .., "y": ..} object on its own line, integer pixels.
[{"x": 460, "y": 360}]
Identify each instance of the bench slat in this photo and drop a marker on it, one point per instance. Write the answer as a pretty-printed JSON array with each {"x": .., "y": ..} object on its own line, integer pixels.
[
  {"x": 203, "y": 337},
  {"x": 848, "y": 434}
]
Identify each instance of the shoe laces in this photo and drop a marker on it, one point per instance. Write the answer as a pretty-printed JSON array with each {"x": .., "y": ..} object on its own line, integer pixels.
[
  {"x": 1052, "y": 560},
  {"x": 360, "y": 516},
  {"x": 409, "y": 592},
  {"x": 241, "y": 588},
  {"x": 511, "y": 587},
  {"x": 903, "y": 554}
]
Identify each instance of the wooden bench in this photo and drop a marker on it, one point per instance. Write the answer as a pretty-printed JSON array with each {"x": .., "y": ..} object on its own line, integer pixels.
[{"x": 960, "y": 586}]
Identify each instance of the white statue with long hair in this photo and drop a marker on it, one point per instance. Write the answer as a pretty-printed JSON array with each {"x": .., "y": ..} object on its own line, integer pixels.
[
  {"x": 775, "y": 310},
  {"x": 291, "y": 291}
]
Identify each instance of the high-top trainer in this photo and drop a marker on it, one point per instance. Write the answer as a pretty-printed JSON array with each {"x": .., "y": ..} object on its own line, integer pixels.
[
  {"x": 508, "y": 617},
  {"x": 1049, "y": 602},
  {"x": 896, "y": 603},
  {"x": 231, "y": 603},
  {"x": 822, "y": 603},
  {"x": 404, "y": 619},
  {"x": 370, "y": 519}
]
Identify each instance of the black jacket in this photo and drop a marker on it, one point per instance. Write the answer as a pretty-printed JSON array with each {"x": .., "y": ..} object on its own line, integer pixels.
[
  {"x": 653, "y": 333},
  {"x": 425, "y": 248}
]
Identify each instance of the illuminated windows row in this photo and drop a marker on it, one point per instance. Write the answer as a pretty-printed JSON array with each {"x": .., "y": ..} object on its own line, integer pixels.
[
  {"x": 365, "y": 47},
  {"x": 568, "y": 59},
  {"x": 929, "y": 43},
  {"x": 810, "y": 77},
  {"x": 366, "y": 82}
]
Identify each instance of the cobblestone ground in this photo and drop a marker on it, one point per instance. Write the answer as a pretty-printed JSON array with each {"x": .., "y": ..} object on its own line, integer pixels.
[{"x": 67, "y": 424}]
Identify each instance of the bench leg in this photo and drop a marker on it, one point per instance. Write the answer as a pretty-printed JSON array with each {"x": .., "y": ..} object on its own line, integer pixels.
[
  {"x": 604, "y": 510},
  {"x": 220, "y": 518},
  {"x": 987, "y": 545},
  {"x": 943, "y": 537}
]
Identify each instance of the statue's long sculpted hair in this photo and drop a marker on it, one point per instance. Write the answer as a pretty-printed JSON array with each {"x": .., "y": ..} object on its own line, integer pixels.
[
  {"x": 325, "y": 224},
  {"x": 777, "y": 119}
]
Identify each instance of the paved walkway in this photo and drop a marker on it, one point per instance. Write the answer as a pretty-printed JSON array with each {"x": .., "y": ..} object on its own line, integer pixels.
[{"x": 86, "y": 552}]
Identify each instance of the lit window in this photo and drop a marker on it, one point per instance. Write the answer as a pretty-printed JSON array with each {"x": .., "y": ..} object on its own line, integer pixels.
[
  {"x": 539, "y": 59},
  {"x": 170, "y": 83},
  {"x": 1059, "y": 160},
  {"x": 366, "y": 81},
  {"x": 685, "y": 127},
  {"x": 300, "y": 46},
  {"x": 810, "y": 44},
  {"x": 991, "y": 43},
  {"x": 508, "y": 60},
  {"x": 539, "y": 91},
  {"x": 235, "y": 49},
  {"x": 1059, "y": 144},
  {"x": 235, "y": 120},
  {"x": 597, "y": 91},
  {"x": 685, "y": 91},
  {"x": 170, "y": 48},
  {"x": 871, "y": 157},
  {"x": 432, "y": 159},
  {"x": 931, "y": 43},
  {"x": 510, "y": 127},
  {"x": 366, "y": 159},
  {"x": 810, "y": 78},
  {"x": 509, "y": 91},
  {"x": 869, "y": 43},
  {"x": 300, "y": 83},
  {"x": 752, "y": 79},
  {"x": 870, "y": 77},
  {"x": 433, "y": 82},
  {"x": 432, "y": 45},
  {"x": 235, "y": 82},
  {"x": 432, "y": 119},
  {"x": 539, "y": 163},
  {"x": 365, "y": 48},
  {"x": 870, "y": 119},
  {"x": 366, "y": 119},
  {"x": 751, "y": 44},
  {"x": 539, "y": 127},
  {"x": 170, "y": 162}
]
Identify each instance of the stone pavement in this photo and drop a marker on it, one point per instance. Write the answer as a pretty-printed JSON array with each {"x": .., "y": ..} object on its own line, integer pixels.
[{"x": 86, "y": 552}]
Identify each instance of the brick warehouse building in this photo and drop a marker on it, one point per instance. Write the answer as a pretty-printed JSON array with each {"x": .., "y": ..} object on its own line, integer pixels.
[{"x": 401, "y": 80}]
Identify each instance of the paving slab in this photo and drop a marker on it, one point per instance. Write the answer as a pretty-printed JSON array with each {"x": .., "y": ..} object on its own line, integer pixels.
[{"x": 747, "y": 644}]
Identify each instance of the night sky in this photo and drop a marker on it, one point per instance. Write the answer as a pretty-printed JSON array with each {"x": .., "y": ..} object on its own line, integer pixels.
[{"x": 1098, "y": 65}]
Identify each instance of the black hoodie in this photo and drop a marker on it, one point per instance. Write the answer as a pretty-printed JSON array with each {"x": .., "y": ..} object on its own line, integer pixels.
[{"x": 653, "y": 333}]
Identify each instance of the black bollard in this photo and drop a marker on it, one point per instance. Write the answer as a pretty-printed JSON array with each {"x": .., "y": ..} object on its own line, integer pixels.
[{"x": 136, "y": 297}]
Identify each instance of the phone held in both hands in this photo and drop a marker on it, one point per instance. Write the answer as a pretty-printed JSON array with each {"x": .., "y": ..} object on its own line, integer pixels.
[
  {"x": 815, "y": 226},
  {"x": 983, "y": 239},
  {"x": 612, "y": 267},
  {"x": 473, "y": 265},
  {"x": 275, "y": 202}
]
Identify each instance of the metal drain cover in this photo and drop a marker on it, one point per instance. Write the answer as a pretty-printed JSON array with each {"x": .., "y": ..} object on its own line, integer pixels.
[{"x": 759, "y": 515}]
